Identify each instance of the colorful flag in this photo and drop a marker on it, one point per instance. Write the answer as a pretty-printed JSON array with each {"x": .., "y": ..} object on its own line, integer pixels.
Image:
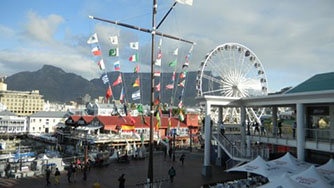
[
  {"x": 96, "y": 51},
  {"x": 117, "y": 66},
  {"x": 157, "y": 87},
  {"x": 137, "y": 83},
  {"x": 156, "y": 101},
  {"x": 173, "y": 77},
  {"x": 113, "y": 40},
  {"x": 136, "y": 95},
  {"x": 181, "y": 116},
  {"x": 169, "y": 125},
  {"x": 183, "y": 74},
  {"x": 170, "y": 86},
  {"x": 140, "y": 108},
  {"x": 105, "y": 78},
  {"x": 181, "y": 84},
  {"x": 134, "y": 58},
  {"x": 176, "y": 51},
  {"x": 113, "y": 52},
  {"x": 180, "y": 104},
  {"x": 136, "y": 69},
  {"x": 156, "y": 74},
  {"x": 185, "y": 2},
  {"x": 159, "y": 121},
  {"x": 185, "y": 65},
  {"x": 92, "y": 39},
  {"x": 101, "y": 64},
  {"x": 173, "y": 63},
  {"x": 134, "y": 45},
  {"x": 133, "y": 121},
  {"x": 108, "y": 93},
  {"x": 122, "y": 96},
  {"x": 158, "y": 60},
  {"x": 118, "y": 80}
]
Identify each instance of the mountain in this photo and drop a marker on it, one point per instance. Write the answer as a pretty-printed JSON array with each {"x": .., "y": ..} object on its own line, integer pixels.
[{"x": 58, "y": 86}]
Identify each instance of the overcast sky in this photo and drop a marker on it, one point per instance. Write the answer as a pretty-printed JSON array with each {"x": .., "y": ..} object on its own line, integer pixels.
[{"x": 293, "y": 39}]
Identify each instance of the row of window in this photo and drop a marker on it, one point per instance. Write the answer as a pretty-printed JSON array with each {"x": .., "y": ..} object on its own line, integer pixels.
[{"x": 11, "y": 122}]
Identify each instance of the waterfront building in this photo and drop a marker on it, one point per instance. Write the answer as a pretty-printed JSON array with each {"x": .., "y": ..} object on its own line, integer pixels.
[
  {"x": 310, "y": 137},
  {"x": 11, "y": 124},
  {"x": 45, "y": 122},
  {"x": 22, "y": 103}
]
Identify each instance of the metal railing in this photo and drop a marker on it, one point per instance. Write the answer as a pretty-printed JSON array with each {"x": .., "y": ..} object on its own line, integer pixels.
[{"x": 232, "y": 144}]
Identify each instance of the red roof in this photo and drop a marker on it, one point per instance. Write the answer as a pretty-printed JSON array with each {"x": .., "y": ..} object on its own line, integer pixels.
[
  {"x": 75, "y": 118},
  {"x": 110, "y": 122},
  {"x": 88, "y": 119}
]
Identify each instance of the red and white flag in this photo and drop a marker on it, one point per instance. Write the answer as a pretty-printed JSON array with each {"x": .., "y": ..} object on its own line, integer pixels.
[
  {"x": 108, "y": 93},
  {"x": 156, "y": 74},
  {"x": 133, "y": 58},
  {"x": 157, "y": 87},
  {"x": 96, "y": 51},
  {"x": 170, "y": 86},
  {"x": 118, "y": 81}
]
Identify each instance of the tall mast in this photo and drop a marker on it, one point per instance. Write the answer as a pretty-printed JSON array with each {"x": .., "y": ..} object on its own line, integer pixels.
[{"x": 150, "y": 163}]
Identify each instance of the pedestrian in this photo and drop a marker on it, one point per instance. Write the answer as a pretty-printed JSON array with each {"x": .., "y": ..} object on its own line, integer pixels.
[
  {"x": 248, "y": 127},
  {"x": 294, "y": 129},
  {"x": 7, "y": 169},
  {"x": 183, "y": 156},
  {"x": 57, "y": 174},
  {"x": 48, "y": 173},
  {"x": 121, "y": 180},
  {"x": 170, "y": 152},
  {"x": 222, "y": 128},
  {"x": 171, "y": 173},
  {"x": 73, "y": 169},
  {"x": 256, "y": 128},
  {"x": 69, "y": 174},
  {"x": 280, "y": 128},
  {"x": 84, "y": 172}
]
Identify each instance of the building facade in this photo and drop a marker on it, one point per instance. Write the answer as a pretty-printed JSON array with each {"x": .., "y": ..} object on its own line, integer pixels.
[
  {"x": 22, "y": 103},
  {"x": 45, "y": 122},
  {"x": 11, "y": 124}
]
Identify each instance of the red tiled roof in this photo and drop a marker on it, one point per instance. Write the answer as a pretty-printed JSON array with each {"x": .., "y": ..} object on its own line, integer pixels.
[
  {"x": 88, "y": 119},
  {"x": 75, "y": 118},
  {"x": 110, "y": 122}
]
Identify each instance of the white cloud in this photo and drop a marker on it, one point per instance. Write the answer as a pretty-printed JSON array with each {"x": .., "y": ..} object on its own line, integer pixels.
[{"x": 42, "y": 29}]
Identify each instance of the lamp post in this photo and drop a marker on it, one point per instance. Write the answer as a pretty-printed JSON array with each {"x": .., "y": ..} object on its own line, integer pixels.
[{"x": 174, "y": 133}]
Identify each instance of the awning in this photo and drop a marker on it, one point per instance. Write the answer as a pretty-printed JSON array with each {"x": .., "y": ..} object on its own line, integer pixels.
[{"x": 87, "y": 128}]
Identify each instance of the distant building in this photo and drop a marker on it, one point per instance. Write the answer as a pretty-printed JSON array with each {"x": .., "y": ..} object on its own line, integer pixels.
[
  {"x": 45, "y": 122},
  {"x": 22, "y": 103},
  {"x": 97, "y": 109},
  {"x": 11, "y": 124}
]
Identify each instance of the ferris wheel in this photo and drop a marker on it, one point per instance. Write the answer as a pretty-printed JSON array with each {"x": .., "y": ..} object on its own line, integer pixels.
[{"x": 233, "y": 70}]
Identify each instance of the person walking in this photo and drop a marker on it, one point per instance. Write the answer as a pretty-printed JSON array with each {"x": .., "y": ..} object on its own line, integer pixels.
[
  {"x": 73, "y": 169},
  {"x": 121, "y": 180},
  {"x": 84, "y": 172},
  {"x": 171, "y": 173},
  {"x": 183, "y": 156},
  {"x": 7, "y": 169},
  {"x": 57, "y": 174},
  {"x": 280, "y": 128},
  {"x": 48, "y": 173},
  {"x": 69, "y": 174},
  {"x": 222, "y": 128}
]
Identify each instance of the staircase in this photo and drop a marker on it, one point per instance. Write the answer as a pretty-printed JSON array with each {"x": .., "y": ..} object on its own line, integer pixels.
[{"x": 231, "y": 144}]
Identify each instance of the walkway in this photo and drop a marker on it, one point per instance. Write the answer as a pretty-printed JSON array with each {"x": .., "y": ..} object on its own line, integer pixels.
[{"x": 188, "y": 175}]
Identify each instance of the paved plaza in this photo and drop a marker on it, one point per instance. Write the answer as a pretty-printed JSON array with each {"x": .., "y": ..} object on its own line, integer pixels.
[{"x": 135, "y": 172}]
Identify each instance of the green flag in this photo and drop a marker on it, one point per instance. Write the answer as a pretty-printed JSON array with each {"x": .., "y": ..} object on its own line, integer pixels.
[
  {"x": 140, "y": 108},
  {"x": 113, "y": 52},
  {"x": 173, "y": 63}
]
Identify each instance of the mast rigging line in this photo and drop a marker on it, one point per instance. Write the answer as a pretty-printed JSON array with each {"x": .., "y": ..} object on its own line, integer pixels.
[{"x": 142, "y": 29}]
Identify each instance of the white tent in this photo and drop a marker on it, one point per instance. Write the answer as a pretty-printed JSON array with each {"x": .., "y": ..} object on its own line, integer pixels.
[
  {"x": 290, "y": 162},
  {"x": 283, "y": 181},
  {"x": 327, "y": 170},
  {"x": 310, "y": 178},
  {"x": 256, "y": 166}
]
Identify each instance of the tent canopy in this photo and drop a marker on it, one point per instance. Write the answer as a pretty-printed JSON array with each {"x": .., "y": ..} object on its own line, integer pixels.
[
  {"x": 310, "y": 178},
  {"x": 283, "y": 181},
  {"x": 256, "y": 166}
]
